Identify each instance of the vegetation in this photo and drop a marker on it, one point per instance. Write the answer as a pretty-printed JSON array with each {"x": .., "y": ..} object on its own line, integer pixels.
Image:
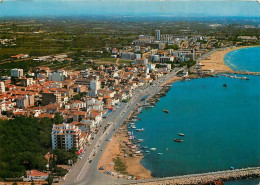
[
  {"x": 174, "y": 46},
  {"x": 79, "y": 96},
  {"x": 119, "y": 166},
  {"x": 23, "y": 143}
]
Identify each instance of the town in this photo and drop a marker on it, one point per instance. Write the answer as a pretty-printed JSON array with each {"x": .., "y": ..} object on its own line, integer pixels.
[{"x": 85, "y": 98}]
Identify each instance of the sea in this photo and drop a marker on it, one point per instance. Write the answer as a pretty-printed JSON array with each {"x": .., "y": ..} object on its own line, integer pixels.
[{"x": 221, "y": 124}]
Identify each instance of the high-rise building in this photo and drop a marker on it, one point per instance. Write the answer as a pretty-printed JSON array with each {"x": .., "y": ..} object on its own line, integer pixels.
[
  {"x": 157, "y": 35},
  {"x": 67, "y": 136}
]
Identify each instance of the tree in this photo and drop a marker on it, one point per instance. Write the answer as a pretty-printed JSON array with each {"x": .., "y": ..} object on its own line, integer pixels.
[{"x": 58, "y": 119}]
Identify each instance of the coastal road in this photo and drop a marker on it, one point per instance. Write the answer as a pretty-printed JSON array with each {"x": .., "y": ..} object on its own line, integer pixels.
[{"x": 85, "y": 171}]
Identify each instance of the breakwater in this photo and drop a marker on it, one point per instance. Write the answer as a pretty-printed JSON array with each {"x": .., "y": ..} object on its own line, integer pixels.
[
  {"x": 239, "y": 72},
  {"x": 205, "y": 177}
]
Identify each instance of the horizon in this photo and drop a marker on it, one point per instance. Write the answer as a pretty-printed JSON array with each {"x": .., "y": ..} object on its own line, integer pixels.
[{"x": 176, "y": 8}]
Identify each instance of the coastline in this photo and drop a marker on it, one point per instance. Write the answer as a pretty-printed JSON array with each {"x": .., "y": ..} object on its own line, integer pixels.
[
  {"x": 117, "y": 148},
  {"x": 216, "y": 61}
]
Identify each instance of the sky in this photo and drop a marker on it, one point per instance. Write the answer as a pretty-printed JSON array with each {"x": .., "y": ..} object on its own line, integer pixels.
[{"x": 188, "y": 8}]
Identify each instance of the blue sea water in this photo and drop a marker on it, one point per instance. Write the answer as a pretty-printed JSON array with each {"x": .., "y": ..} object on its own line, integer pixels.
[
  {"x": 221, "y": 127},
  {"x": 246, "y": 59}
]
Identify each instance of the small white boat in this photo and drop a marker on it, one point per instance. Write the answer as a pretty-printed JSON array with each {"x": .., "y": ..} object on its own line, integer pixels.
[
  {"x": 160, "y": 153},
  {"x": 152, "y": 149},
  {"x": 139, "y": 130}
]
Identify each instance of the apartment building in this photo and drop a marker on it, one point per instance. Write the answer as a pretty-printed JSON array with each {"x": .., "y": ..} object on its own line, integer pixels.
[{"x": 67, "y": 136}]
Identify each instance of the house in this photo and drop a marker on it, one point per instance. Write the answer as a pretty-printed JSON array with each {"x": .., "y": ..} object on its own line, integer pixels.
[{"x": 35, "y": 175}]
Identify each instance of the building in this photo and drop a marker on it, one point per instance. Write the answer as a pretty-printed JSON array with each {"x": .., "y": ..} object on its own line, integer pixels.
[
  {"x": 157, "y": 35},
  {"x": 95, "y": 84},
  {"x": 141, "y": 61},
  {"x": 25, "y": 101},
  {"x": 2, "y": 87},
  {"x": 35, "y": 175},
  {"x": 50, "y": 97},
  {"x": 26, "y": 82},
  {"x": 58, "y": 76},
  {"x": 17, "y": 73},
  {"x": 67, "y": 136}
]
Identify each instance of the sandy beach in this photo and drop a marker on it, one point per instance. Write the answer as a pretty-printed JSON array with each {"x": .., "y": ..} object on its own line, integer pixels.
[
  {"x": 215, "y": 61},
  {"x": 115, "y": 149}
]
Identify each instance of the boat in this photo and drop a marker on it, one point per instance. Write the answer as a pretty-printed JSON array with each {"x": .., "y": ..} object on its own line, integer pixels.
[
  {"x": 181, "y": 134},
  {"x": 139, "y": 130},
  {"x": 225, "y": 85},
  {"x": 149, "y": 106},
  {"x": 160, "y": 153},
  {"x": 144, "y": 147},
  {"x": 166, "y": 111},
  {"x": 139, "y": 140},
  {"x": 178, "y": 140},
  {"x": 152, "y": 149},
  {"x": 147, "y": 151},
  {"x": 133, "y": 127}
]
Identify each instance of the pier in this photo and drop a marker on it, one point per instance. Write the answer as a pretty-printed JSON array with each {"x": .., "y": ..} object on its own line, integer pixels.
[
  {"x": 239, "y": 72},
  {"x": 204, "y": 177}
]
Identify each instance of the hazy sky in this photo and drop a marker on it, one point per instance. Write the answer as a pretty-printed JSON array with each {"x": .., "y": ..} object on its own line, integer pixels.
[{"x": 129, "y": 8}]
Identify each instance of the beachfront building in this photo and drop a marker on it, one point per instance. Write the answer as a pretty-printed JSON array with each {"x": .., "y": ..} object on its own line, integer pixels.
[{"x": 67, "y": 136}]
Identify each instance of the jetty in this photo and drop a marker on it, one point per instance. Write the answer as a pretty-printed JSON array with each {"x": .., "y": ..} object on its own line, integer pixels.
[
  {"x": 203, "y": 178},
  {"x": 238, "y": 72}
]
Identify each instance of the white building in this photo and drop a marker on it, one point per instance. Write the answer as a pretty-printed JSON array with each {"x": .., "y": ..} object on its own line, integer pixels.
[
  {"x": 67, "y": 136},
  {"x": 16, "y": 73},
  {"x": 95, "y": 84},
  {"x": 58, "y": 76},
  {"x": 157, "y": 35},
  {"x": 2, "y": 87}
]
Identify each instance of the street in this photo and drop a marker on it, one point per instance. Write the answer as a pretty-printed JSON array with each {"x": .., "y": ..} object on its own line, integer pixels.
[{"x": 86, "y": 171}]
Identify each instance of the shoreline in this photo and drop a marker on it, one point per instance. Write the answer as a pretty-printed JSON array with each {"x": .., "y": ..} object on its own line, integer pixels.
[
  {"x": 216, "y": 61},
  {"x": 117, "y": 148}
]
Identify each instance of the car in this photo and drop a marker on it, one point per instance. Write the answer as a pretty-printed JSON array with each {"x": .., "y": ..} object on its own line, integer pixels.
[{"x": 90, "y": 161}]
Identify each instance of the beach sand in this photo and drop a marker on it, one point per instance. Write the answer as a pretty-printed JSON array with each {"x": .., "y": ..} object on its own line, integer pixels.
[
  {"x": 171, "y": 80},
  {"x": 115, "y": 149},
  {"x": 216, "y": 61}
]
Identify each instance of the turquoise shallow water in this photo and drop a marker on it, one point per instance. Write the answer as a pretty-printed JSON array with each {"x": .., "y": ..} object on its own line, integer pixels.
[
  {"x": 221, "y": 127},
  {"x": 247, "y": 59}
]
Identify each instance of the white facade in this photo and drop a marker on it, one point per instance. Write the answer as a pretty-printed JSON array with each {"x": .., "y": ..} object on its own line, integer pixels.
[
  {"x": 58, "y": 76},
  {"x": 95, "y": 85},
  {"x": 67, "y": 136},
  {"x": 2, "y": 87}
]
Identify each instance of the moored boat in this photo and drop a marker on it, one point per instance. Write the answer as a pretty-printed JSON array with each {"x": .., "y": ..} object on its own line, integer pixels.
[
  {"x": 152, "y": 149},
  {"x": 160, "y": 153},
  {"x": 181, "y": 134},
  {"x": 166, "y": 111},
  {"x": 139, "y": 130},
  {"x": 178, "y": 140}
]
